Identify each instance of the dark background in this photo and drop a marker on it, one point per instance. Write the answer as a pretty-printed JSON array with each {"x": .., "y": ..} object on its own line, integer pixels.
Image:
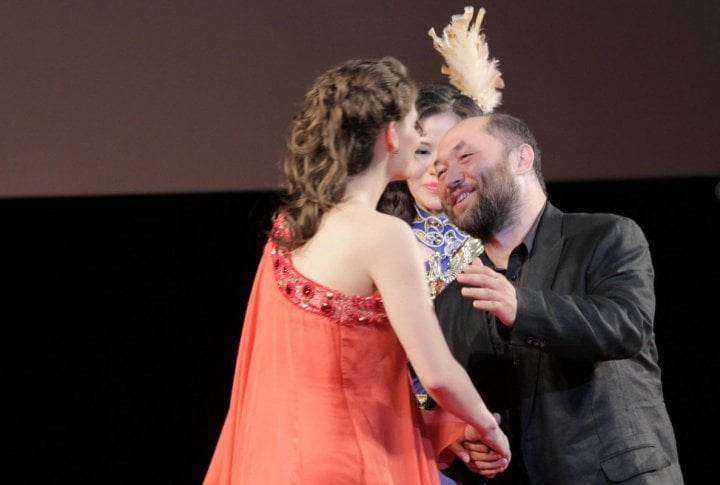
[
  {"x": 138, "y": 170},
  {"x": 122, "y": 317}
]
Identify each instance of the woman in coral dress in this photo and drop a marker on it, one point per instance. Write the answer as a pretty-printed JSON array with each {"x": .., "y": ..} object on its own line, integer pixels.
[{"x": 321, "y": 392}]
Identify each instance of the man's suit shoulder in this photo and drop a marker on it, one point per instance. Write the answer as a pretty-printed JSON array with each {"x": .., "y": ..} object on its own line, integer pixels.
[{"x": 598, "y": 224}]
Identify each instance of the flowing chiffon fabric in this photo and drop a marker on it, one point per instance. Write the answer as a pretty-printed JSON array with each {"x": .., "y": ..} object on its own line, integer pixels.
[{"x": 321, "y": 392}]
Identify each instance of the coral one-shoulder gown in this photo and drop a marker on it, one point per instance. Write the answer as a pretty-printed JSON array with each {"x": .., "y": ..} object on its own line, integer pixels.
[{"x": 321, "y": 392}]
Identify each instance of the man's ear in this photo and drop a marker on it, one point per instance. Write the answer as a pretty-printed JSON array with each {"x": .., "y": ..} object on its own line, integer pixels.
[
  {"x": 391, "y": 137},
  {"x": 525, "y": 159}
]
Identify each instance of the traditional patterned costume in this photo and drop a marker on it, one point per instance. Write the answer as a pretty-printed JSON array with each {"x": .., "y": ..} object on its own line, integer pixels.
[{"x": 452, "y": 248}]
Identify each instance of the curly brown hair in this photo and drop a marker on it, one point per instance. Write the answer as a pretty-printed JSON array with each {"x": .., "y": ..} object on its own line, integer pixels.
[{"x": 333, "y": 135}]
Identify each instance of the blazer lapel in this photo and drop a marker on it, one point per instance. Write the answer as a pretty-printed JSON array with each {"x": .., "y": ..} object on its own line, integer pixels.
[{"x": 547, "y": 247}]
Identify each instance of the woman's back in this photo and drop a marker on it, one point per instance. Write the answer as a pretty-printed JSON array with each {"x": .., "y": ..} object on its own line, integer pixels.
[
  {"x": 321, "y": 392},
  {"x": 351, "y": 241}
]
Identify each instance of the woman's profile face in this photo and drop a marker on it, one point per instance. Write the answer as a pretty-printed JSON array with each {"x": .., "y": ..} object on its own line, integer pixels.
[
  {"x": 423, "y": 186},
  {"x": 405, "y": 164}
]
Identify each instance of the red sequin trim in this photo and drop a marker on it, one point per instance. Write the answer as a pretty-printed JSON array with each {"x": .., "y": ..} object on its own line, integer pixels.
[{"x": 321, "y": 300}]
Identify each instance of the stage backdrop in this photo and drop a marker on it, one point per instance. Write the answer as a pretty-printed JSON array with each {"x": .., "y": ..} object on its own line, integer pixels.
[{"x": 137, "y": 96}]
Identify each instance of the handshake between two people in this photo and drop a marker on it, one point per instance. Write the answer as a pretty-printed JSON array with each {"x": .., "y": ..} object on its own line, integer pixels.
[{"x": 476, "y": 454}]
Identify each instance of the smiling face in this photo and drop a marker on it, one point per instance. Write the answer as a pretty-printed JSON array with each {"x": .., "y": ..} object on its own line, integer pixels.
[
  {"x": 423, "y": 187},
  {"x": 475, "y": 183}
]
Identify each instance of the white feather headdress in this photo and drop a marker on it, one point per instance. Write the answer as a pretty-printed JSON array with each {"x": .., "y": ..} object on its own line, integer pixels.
[{"x": 467, "y": 64}]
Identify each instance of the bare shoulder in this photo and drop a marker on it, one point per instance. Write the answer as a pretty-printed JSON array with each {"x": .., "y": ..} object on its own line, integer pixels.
[
  {"x": 378, "y": 238},
  {"x": 358, "y": 231},
  {"x": 363, "y": 242},
  {"x": 389, "y": 231}
]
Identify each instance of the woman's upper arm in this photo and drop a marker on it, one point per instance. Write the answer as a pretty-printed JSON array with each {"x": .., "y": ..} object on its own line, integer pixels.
[{"x": 398, "y": 273}]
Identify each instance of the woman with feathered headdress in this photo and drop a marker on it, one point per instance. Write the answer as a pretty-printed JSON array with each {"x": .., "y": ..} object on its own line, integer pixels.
[{"x": 473, "y": 90}]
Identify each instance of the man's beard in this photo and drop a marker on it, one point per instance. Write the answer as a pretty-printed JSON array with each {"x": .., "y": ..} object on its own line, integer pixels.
[{"x": 496, "y": 207}]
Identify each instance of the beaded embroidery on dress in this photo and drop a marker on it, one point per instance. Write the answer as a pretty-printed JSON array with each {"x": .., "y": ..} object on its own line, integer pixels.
[{"x": 316, "y": 298}]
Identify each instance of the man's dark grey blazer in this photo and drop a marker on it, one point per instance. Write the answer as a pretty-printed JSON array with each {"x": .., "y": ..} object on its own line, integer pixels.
[{"x": 577, "y": 378}]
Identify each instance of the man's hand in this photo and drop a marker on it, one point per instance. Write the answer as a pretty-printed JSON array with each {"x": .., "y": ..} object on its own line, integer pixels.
[
  {"x": 483, "y": 460},
  {"x": 490, "y": 291},
  {"x": 477, "y": 456}
]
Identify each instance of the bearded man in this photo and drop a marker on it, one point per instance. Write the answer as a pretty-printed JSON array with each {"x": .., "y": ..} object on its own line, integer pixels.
[{"x": 554, "y": 321}]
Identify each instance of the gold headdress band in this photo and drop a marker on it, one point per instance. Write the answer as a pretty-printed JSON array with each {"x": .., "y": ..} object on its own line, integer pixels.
[{"x": 466, "y": 54}]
